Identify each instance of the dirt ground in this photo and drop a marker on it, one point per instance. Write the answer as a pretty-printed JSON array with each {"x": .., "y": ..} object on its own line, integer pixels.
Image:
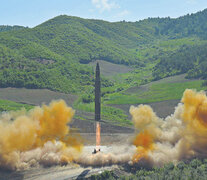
[
  {"x": 69, "y": 172},
  {"x": 34, "y": 96},
  {"x": 110, "y": 69},
  {"x": 162, "y": 108}
]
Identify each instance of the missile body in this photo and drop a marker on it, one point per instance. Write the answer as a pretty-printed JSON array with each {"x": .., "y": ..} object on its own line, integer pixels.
[{"x": 97, "y": 94}]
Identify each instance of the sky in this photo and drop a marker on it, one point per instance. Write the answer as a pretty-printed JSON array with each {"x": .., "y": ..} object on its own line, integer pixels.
[{"x": 33, "y": 12}]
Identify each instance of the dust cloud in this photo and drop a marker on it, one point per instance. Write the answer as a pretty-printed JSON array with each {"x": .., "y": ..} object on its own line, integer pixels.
[
  {"x": 42, "y": 136},
  {"x": 183, "y": 135}
]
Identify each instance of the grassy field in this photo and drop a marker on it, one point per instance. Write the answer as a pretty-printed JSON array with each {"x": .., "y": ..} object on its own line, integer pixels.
[
  {"x": 126, "y": 91},
  {"x": 166, "y": 92},
  {"x": 122, "y": 79},
  {"x": 6, "y": 105},
  {"x": 166, "y": 89},
  {"x": 108, "y": 114},
  {"x": 17, "y": 98}
]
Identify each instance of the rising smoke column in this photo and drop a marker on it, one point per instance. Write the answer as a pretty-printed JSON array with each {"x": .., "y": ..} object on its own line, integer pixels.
[
  {"x": 40, "y": 136},
  {"x": 182, "y": 135},
  {"x": 145, "y": 121}
]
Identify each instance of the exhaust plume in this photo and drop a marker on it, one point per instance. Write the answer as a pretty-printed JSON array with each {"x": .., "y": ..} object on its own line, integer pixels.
[
  {"x": 98, "y": 136},
  {"x": 40, "y": 136}
]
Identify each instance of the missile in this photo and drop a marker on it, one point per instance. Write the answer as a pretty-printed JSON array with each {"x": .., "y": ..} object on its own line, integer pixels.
[
  {"x": 97, "y": 109},
  {"x": 97, "y": 94}
]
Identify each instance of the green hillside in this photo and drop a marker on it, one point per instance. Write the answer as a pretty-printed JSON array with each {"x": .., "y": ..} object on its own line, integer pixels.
[
  {"x": 33, "y": 66},
  {"x": 191, "y": 59},
  {"x": 68, "y": 37},
  {"x": 56, "y": 48},
  {"x": 58, "y": 54},
  {"x": 6, "y": 105}
]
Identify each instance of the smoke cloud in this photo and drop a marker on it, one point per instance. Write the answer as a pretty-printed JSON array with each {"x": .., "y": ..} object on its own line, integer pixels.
[
  {"x": 182, "y": 135},
  {"x": 40, "y": 136}
]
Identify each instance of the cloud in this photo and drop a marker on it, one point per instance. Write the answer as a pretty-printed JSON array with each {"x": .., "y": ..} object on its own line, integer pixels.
[
  {"x": 122, "y": 14},
  {"x": 104, "y": 5}
]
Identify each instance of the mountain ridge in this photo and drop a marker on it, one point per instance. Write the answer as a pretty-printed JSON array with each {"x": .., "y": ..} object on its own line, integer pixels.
[{"x": 68, "y": 43}]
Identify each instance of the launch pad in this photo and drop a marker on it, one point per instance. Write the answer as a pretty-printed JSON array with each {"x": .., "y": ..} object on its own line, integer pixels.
[{"x": 96, "y": 151}]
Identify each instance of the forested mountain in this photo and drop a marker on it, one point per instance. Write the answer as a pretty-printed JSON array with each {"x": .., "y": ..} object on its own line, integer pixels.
[
  {"x": 55, "y": 53},
  {"x": 185, "y": 26},
  {"x": 70, "y": 38},
  {"x": 188, "y": 59},
  {"x": 17, "y": 70},
  {"x": 10, "y": 28}
]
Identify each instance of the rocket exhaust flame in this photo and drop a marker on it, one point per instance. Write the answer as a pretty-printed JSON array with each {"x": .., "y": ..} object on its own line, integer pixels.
[{"x": 98, "y": 136}]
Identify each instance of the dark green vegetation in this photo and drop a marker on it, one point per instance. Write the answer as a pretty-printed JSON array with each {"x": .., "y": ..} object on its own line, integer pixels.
[
  {"x": 27, "y": 64},
  {"x": 188, "y": 59},
  {"x": 194, "y": 169},
  {"x": 58, "y": 54},
  {"x": 10, "y": 28}
]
